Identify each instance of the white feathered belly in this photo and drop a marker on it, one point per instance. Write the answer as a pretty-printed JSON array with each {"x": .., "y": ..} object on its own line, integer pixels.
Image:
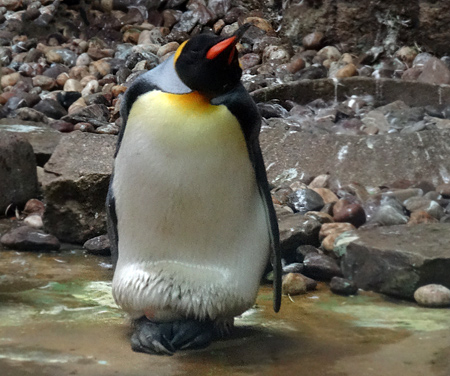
[{"x": 193, "y": 237}]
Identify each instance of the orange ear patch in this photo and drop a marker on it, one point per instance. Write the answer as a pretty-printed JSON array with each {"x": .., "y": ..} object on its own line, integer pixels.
[{"x": 218, "y": 48}]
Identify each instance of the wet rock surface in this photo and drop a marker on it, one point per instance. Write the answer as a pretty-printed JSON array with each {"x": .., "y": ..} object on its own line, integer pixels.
[
  {"x": 40, "y": 135},
  {"x": 75, "y": 182},
  {"x": 396, "y": 260},
  {"x": 369, "y": 160},
  {"x": 25, "y": 238},
  {"x": 18, "y": 179}
]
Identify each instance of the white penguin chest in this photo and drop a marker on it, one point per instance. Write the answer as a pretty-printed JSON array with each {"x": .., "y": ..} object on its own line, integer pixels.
[{"x": 184, "y": 166}]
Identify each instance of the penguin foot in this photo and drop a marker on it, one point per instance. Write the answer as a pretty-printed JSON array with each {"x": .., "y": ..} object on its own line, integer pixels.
[{"x": 165, "y": 338}]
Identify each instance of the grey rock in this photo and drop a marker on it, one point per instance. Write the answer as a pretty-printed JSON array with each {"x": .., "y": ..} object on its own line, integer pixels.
[
  {"x": 305, "y": 200},
  {"x": 388, "y": 215},
  {"x": 319, "y": 266},
  {"x": 51, "y": 108},
  {"x": 296, "y": 267},
  {"x": 296, "y": 230},
  {"x": 95, "y": 114},
  {"x": 347, "y": 158},
  {"x": 98, "y": 246},
  {"x": 435, "y": 72},
  {"x": 397, "y": 260},
  {"x": 75, "y": 183},
  {"x": 343, "y": 286},
  {"x": 42, "y": 137},
  {"x": 433, "y": 296},
  {"x": 422, "y": 203},
  {"x": 303, "y": 250},
  {"x": 26, "y": 238},
  {"x": 18, "y": 178},
  {"x": 376, "y": 118}
]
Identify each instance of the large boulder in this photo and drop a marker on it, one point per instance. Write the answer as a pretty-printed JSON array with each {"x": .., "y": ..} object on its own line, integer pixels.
[
  {"x": 75, "y": 183},
  {"x": 41, "y": 136},
  {"x": 396, "y": 260},
  {"x": 18, "y": 178},
  {"x": 369, "y": 160}
]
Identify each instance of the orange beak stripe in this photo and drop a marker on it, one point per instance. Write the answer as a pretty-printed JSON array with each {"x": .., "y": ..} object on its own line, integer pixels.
[{"x": 217, "y": 49}]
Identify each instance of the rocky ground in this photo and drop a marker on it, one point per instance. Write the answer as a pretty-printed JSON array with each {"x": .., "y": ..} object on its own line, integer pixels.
[{"x": 354, "y": 136}]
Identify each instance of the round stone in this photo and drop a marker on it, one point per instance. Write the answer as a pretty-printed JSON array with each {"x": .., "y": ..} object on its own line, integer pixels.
[{"x": 433, "y": 296}]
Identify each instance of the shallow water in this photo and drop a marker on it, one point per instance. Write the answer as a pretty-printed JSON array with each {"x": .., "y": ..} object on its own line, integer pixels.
[{"x": 57, "y": 317}]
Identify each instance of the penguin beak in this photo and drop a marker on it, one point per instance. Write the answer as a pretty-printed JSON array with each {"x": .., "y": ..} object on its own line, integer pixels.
[{"x": 227, "y": 44}]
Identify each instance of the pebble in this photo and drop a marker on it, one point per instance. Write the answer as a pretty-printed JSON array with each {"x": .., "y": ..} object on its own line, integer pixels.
[
  {"x": 343, "y": 286},
  {"x": 435, "y": 71},
  {"x": 167, "y": 48},
  {"x": 276, "y": 53},
  {"x": 91, "y": 87},
  {"x": 34, "y": 206},
  {"x": 249, "y": 60},
  {"x": 327, "y": 194},
  {"x": 34, "y": 221},
  {"x": 348, "y": 70},
  {"x": 351, "y": 212},
  {"x": 260, "y": 23},
  {"x": 26, "y": 238},
  {"x": 304, "y": 200},
  {"x": 313, "y": 40},
  {"x": 98, "y": 246},
  {"x": 30, "y": 114},
  {"x": 83, "y": 60},
  {"x": 293, "y": 284},
  {"x": 61, "y": 79},
  {"x": 407, "y": 55},
  {"x": 51, "y": 108},
  {"x": 427, "y": 205},
  {"x": 421, "y": 216},
  {"x": 304, "y": 250},
  {"x": 322, "y": 267},
  {"x": 433, "y": 296},
  {"x": 45, "y": 82},
  {"x": 84, "y": 127},
  {"x": 321, "y": 216},
  {"x": 444, "y": 189},
  {"x": 10, "y": 79},
  {"x": 296, "y": 267},
  {"x": 330, "y": 231},
  {"x": 388, "y": 215},
  {"x": 327, "y": 53}
]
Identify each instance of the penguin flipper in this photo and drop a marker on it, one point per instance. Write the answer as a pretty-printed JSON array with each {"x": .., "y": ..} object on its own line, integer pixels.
[
  {"x": 165, "y": 338},
  {"x": 112, "y": 222}
]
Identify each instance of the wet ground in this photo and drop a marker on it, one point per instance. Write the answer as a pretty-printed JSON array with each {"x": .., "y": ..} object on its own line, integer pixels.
[{"x": 57, "y": 317}]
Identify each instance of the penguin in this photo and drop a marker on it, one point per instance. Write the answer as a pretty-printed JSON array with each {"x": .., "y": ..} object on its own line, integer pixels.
[{"x": 190, "y": 216}]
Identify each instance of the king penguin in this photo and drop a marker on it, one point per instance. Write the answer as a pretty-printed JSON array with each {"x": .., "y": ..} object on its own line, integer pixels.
[{"x": 190, "y": 216}]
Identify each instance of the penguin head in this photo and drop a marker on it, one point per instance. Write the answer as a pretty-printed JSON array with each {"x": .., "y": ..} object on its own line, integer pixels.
[{"x": 209, "y": 64}]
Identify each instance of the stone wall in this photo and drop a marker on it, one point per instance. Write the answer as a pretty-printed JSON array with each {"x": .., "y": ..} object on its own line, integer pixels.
[{"x": 359, "y": 25}]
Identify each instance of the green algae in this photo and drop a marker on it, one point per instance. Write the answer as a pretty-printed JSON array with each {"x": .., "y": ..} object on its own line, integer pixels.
[{"x": 377, "y": 312}]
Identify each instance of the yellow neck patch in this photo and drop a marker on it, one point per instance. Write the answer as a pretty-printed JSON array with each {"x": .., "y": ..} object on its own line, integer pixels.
[{"x": 184, "y": 121}]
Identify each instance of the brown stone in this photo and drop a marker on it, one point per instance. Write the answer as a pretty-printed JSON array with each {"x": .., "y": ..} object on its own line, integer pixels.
[
  {"x": 294, "y": 284},
  {"x": 347, "y": 211},
  {"x": 313, "y": 40},
  {"x": 295, "y": 65},
  {"x": 421, "y": 216},
  {"x": 348, "y": 70},
  {"x": 327, "y": 195}
]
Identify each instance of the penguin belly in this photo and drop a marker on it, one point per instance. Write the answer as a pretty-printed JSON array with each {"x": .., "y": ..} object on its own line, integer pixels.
[{"x": 193, "y": 237}]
